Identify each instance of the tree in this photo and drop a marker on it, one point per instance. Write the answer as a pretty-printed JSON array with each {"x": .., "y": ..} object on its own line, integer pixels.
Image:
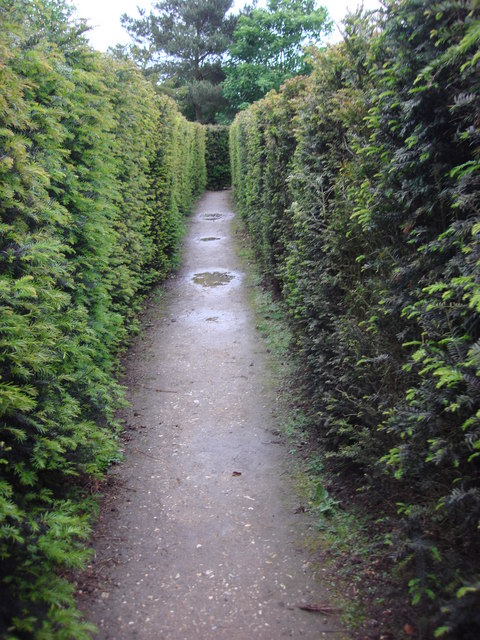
[
  {"x": 268, "y": 47},
  {"x": 183, "y": 42}
]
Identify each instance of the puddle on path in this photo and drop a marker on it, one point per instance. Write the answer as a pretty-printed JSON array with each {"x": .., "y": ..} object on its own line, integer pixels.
[
  {"x": 212, "y": 216},
  {"x": 212, "y": 278},
  {"x": 209, "y": 239}
]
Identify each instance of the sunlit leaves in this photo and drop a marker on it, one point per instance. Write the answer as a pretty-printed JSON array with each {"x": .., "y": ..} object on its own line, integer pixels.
[{"x": 83, "y": 158}]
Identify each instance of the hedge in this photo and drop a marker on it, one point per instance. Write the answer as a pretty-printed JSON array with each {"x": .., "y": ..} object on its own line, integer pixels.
[
  {"x": 217, "y": 157},
  {"x": 360, "y": 186},
  {"x": 96, "y": 174}
]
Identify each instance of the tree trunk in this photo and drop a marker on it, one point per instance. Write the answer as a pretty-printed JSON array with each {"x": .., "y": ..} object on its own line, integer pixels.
[{"x": 198, "y": 112}]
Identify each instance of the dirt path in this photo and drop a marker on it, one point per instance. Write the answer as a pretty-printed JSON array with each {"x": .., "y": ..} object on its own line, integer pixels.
[{"x": 199, "y": 539}]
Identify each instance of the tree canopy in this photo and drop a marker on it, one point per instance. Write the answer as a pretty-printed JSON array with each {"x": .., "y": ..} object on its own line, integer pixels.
[
  {"x": 212, "y": 61},
  {"x": 183, "y": 42},
  {"x": 269, "y": 46}
]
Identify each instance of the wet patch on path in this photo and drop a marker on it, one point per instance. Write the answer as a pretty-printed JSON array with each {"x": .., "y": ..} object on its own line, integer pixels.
[
  {"x": 213, "y": 278},
  {"x": 212, "y": 216}
]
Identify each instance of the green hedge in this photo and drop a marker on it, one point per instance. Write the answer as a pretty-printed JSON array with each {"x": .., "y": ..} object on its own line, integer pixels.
[
  {"x": 96, "y": 173},
  {"x": 360, "y": 186},
  {"x": 217, "y": 157}
]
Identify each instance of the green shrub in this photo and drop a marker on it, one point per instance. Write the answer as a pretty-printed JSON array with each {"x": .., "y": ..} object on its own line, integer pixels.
[
  {"x": 260, "y": 175},
  {"x": 360, "y": 188},
  {"x": 90, "y": 210},
  {"x": 217, "y": 157}
]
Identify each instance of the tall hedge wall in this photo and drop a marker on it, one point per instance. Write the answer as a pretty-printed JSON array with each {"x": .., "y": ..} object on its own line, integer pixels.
[
  {"x": 217, "y": 157},
  {"x": 96, "y": 173},
  {"x": 360, "y": 185}
]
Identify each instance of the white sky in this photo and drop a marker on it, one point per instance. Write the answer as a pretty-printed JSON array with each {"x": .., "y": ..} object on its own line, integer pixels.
[{"x": 104, "y": 16}]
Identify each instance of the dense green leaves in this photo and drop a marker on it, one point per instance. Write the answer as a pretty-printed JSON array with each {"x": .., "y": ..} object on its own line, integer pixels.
[
  {"x": 365, "y": 216},
  {"x": 94, "y": 170},
  {"x": 269, "y": 46},
  {"x": 182, "y": 43},
  {"x": 214, "y": 62},
  {"x": 217, "y": 157}
]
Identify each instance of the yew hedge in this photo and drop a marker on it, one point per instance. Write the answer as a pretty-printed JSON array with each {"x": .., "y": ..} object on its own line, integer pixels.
[
  {"x": 217, "y": 156},
  {"x": 96, "y": 174},
  {"x": 360, "y": 186}
]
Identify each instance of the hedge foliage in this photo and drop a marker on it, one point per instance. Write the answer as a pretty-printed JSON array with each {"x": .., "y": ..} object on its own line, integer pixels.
[
  {"x": 360, "y": 186},
  {"x": 96, "y": 174},
  {"x": 217, "y": 157}
]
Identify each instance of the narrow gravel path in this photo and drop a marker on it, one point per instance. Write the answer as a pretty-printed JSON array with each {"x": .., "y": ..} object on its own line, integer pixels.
[{"x": 199, "y": 538}]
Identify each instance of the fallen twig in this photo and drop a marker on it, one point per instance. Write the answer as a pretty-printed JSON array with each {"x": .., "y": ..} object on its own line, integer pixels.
[
  {"x": 147, "y": 454},
  {"x": 318, "y": 608}
]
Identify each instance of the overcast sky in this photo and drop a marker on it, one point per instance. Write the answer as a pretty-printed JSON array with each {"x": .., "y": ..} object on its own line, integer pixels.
[{"x": 104, "y": 16}]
